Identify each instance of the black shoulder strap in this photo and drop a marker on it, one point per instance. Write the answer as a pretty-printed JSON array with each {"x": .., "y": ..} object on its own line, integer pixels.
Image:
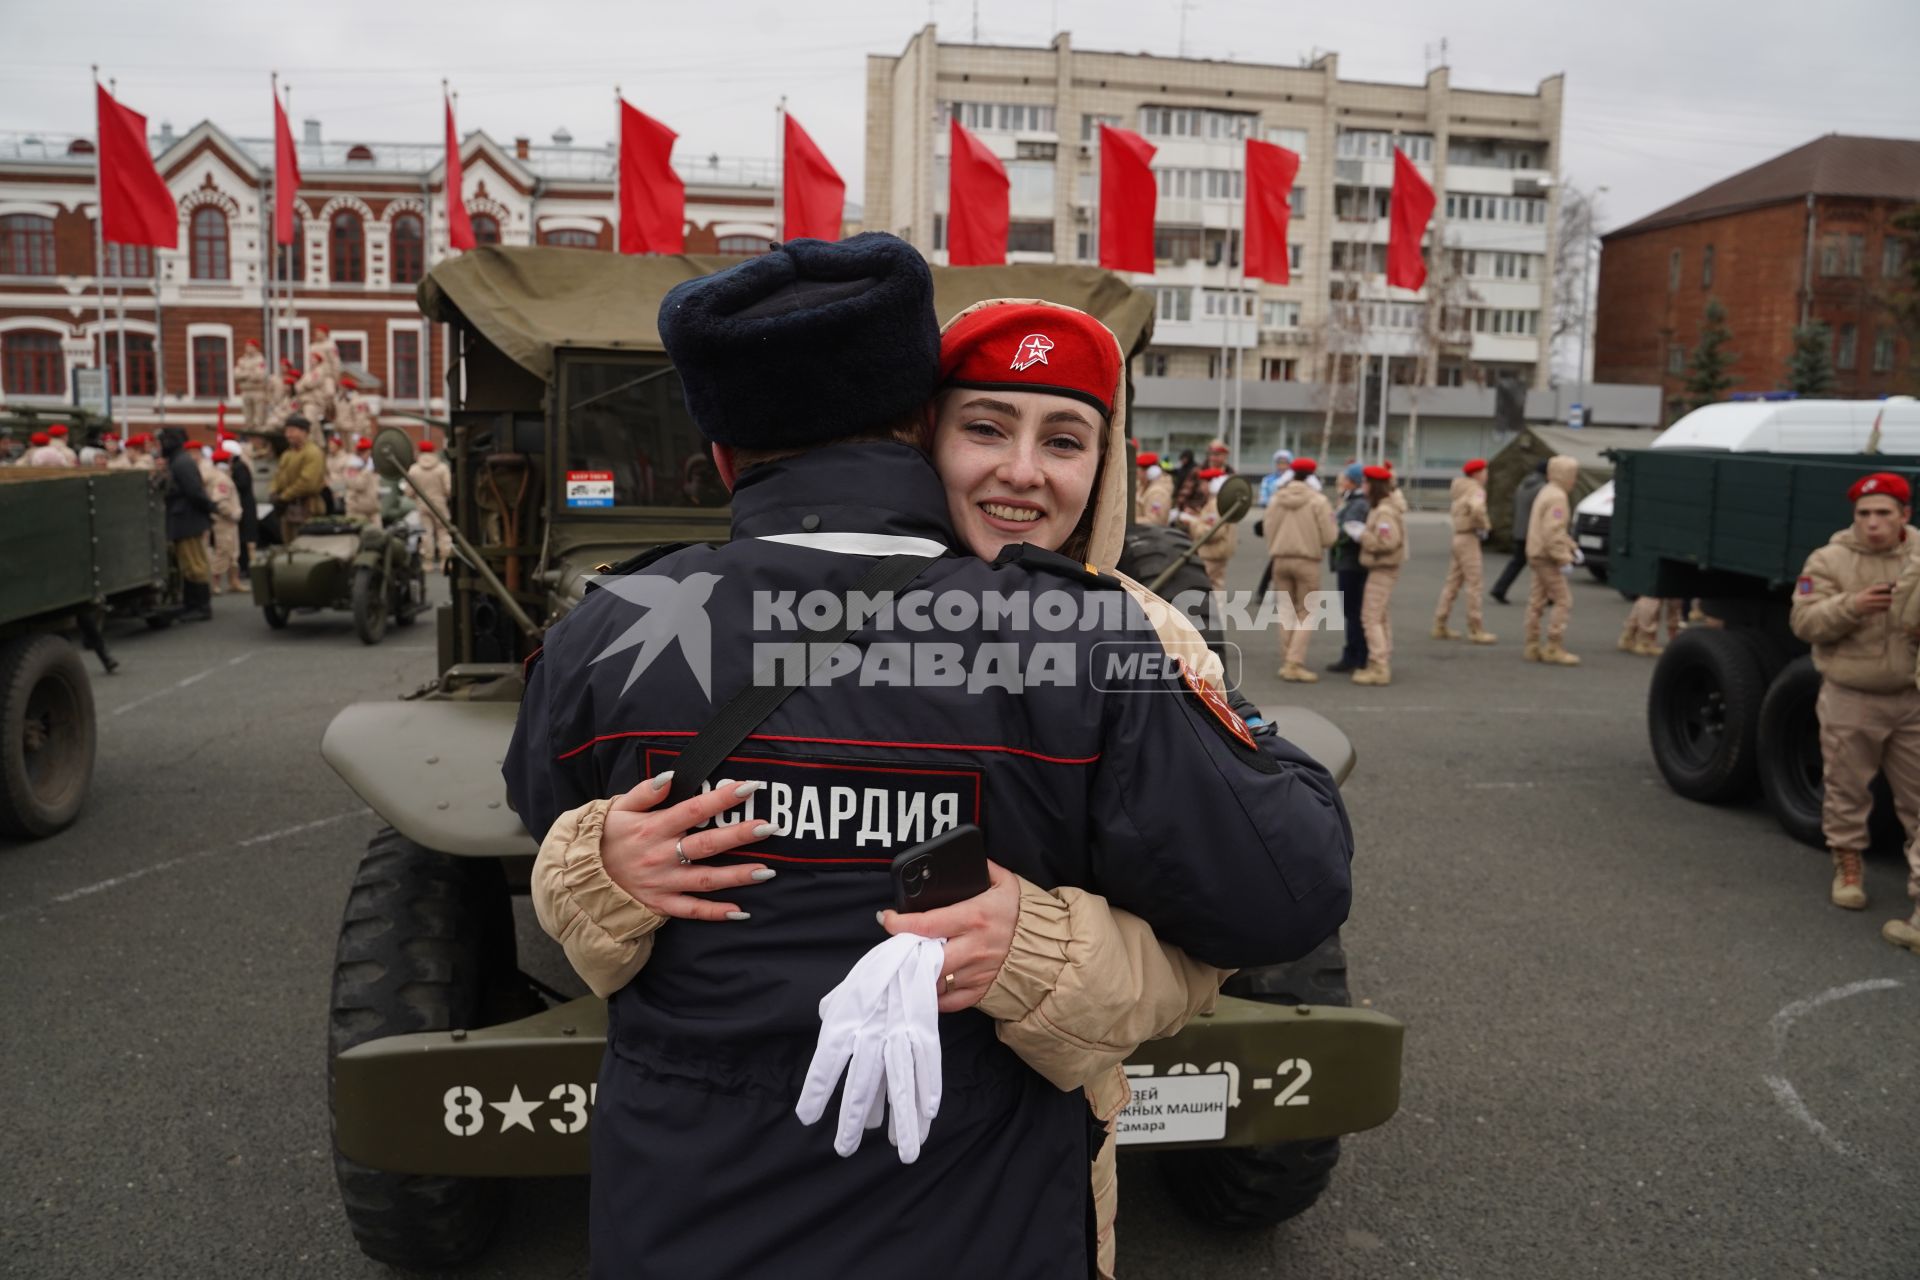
[{"x": 751, "y": 706}]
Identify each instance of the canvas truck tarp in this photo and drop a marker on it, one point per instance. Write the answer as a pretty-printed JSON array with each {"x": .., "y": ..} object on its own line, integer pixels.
[
  {"x": 1535, "y": 445},
  {"x": 529, "y": 300}
]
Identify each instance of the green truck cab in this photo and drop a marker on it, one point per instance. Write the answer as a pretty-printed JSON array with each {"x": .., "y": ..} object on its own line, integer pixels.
[
  {"x": 1725, "y": 510},
  {"x": 450, "y": 1071}
]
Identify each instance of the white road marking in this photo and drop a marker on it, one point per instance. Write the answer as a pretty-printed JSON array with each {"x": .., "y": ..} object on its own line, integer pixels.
[
  {"x": 114, "y": 882},
  {"x": 1789, "y": 1097},
  {"x": 1501, "y": 786},
  {"x": 193, "y": 679}
]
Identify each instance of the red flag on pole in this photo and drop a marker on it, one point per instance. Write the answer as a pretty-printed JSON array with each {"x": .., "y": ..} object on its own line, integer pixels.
[
  {"x": 653, "y": 198},
  {"x": 1271, "y": 170},
  {"x": 815, "y": 197},
  {"x": 459, "y": 225},
  {"x": 1128, "y": 196},
  {"x": 286, "y": 174},
  {"x": 1407, "y": 220},
  {"x": 977, "y": 208},
  {"x": 135, "y": 205}
]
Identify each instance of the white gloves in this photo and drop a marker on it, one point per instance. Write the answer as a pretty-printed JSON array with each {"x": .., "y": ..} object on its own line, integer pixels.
[
  {"x": 1579, "y": 556},
  {"x": 1354, "y": 529},
  {"x": 1313, "y": 482},
  {"x": 1567, "y": 569},
  {"x": 882, "y": 1026}
]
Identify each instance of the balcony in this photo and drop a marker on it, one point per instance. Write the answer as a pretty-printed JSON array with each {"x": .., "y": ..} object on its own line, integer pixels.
[{"x": 1207, "y": 332}]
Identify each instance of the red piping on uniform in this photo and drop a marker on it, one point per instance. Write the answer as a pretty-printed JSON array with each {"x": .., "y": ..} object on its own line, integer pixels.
[{"x": 833, "y": 742}]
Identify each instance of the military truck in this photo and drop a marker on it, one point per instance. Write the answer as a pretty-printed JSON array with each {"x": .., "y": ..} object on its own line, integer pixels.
[
  {"x": 571, "y": 448},
  {"x": 78, "y": 548},
  {"x": 1730, "y": 708}
]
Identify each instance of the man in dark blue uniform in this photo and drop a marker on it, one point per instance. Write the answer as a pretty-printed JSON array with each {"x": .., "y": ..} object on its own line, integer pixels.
[{"x": 810, "y": 370}]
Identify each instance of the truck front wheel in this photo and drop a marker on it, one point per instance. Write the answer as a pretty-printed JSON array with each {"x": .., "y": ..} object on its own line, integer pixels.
[
  {"x": 1789, "y": 756},
  {"x": 46, "y": 736},
  {"x": 427, "y": 944},
  {"x": 1250, "y": 1187},
  {"x": 1703, "y": 714}
]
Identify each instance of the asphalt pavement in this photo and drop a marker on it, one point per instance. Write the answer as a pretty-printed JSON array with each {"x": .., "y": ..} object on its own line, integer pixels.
[{"x": 1639, "y": 1042}]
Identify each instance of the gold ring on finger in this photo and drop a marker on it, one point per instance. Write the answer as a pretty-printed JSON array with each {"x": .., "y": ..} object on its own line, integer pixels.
[
  {"x": 950, "y": 979},
  {"x": 680, "y": 852}
]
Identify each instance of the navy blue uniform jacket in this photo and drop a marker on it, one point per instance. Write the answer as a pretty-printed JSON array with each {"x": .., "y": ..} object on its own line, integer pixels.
[{"x": 1130, "y": 787}]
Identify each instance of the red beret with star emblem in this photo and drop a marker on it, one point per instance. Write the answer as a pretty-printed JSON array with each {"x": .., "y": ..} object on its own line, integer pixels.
[
  {"x": 1884, "y": 482},
  {"x": 1028, "y": 347}
]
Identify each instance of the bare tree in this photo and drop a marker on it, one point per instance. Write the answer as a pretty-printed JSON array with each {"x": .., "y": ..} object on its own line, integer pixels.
[{"x": 1580, "y": 215}]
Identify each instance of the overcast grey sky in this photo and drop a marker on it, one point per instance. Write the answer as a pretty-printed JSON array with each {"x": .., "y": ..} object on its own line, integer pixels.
[{"x": 1663, "y": 96}]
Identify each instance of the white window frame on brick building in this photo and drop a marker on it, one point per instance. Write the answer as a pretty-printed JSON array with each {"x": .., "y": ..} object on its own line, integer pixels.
[
  {"x": 396, "y": 392},
  {"x": 195, "y": 332},
  {"x": 61, "y": 335}
]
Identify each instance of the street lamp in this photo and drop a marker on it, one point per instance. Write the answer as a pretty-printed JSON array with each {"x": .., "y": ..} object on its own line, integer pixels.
[{"x": 1586, "y": 285}]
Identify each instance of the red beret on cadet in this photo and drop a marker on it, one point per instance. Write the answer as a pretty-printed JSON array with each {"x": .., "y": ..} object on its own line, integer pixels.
[
  {"x": 1377, "y": 472},
  {"x": 1032, "y": 348},
  {"x": 1473, "y": 467},
  {"x": 1303, "y": 466},
  {"x": 221, "y": 454},
  {"x": 57, "y": 429},
  {"x": 1211, "y": 473},
  {"x": 427, "y": 446},
  {"x": 1147, "y": 460},
  {"x": 363, "y": 444},
  {"x": 40, "y": 437},
  {"x": 113, "y": 436},
  {"x": 1886, "y": 482}
]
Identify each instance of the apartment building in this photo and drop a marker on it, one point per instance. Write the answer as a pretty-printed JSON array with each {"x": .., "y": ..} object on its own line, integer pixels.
[{"x": 1492, "y": 159}]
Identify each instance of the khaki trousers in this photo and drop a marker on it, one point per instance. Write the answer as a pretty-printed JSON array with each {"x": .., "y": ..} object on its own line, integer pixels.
[
  {"x": 1862, "y": 734},
  {"x": 225, "y": 560},
  {"x": 1298, "y": 578},
  {"x": 1643, "y": 620},
  {"x": 1463, "y": 571},
  {"x": 1375, "y": 616},
  {"x": 255, "y": 404},
  {"x": 1549, "y": 591},
  {"x": 191, "y": 555},
  {"x": 436, "y": 544}
]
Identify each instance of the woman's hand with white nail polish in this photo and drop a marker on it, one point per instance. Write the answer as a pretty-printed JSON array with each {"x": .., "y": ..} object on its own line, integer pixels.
[{"x": 638, "y": 849}]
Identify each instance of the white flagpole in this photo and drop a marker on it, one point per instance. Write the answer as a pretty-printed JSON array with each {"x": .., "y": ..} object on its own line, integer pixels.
[
  {"x": 619, "y": 150},
  {"x": 780, "y": 170},
  {"x": 1239, "y": 300},
  {"x": 100, "y": 235}
]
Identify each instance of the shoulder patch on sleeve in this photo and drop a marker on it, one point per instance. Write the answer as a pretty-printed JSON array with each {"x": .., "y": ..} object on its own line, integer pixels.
[
  {"x": 1805, "y": 586},
  {"x": 1217, "y": 706}
]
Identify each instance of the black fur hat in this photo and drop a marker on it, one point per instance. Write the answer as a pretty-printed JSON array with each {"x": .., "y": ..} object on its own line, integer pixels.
[{"x": 811, "y": 342}]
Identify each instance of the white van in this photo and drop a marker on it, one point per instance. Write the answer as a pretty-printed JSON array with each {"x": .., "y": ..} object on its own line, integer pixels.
[{"x": 1763, "y": 426}]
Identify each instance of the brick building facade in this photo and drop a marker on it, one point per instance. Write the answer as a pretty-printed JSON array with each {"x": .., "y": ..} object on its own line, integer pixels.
[
  {"x": 371, "y": 221},
  {"x": 1802, "y": 238}
]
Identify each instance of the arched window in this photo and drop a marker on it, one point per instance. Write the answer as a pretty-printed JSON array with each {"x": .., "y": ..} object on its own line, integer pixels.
[
  {"x": 209, "y": 244},
  {"x": 408, "y": 252},
  {"x": 26, "y": 245},
  {"x": 742, "y": 246},
  {"x": 347, "y": 249},
  {"x": 568, "y": 239},
  {"x": 31, "y": 364},
  {"x": 486, "y": 229},
  {"x": 290, "y": 260}
]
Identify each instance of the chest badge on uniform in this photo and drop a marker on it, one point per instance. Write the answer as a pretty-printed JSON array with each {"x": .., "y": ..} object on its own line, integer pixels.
[
  {"x": 1216, "y": 702},
  {"x": 1033, "y": 350}
]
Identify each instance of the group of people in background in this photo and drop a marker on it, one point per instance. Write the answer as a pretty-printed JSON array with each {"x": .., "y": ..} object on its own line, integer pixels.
[{"x": 1361, "y": 533}]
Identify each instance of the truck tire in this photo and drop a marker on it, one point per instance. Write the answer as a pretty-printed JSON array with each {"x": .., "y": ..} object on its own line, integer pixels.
[
  {"x": 47, "y": 736},
  {"x": 1703, "y": 714},
  {"x": 1789, "y": 752},
  {"x": 426, "y": 944},
  {"x": 1250, "y": 1187},
  {"x": 1598, "y": 568},
  {"x": 369, "y": 604},
  {"x": 276, "y": 615}
]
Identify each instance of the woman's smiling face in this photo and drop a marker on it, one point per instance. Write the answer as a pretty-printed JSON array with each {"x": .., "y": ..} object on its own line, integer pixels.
[{"x": 1018, "y": 466}]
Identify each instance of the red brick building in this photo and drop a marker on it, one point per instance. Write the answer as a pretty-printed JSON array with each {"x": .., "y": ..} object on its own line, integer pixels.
[
  {"x": 1802, "y": 238},
  {"x": 371, "y": 220}
]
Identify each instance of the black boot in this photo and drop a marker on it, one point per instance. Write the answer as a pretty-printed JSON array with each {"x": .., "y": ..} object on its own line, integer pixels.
[{"x": 196, "y": 602}]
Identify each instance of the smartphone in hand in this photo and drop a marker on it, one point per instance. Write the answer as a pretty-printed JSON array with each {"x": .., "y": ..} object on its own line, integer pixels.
[{"x": 949, "y": 868}]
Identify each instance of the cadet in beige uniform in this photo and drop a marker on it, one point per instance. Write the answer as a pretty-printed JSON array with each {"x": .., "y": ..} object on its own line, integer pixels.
[
  {"x": 224, "y": 563},
  {"x": 1550, "y": 549},
  {"x": 1299, "y": 525},
  {"x": 1155, "y": 500},
  {"x": 1470, "y": 527},
  {"x": 1383, "y": 549},
  {"x": 316, "y": 390},
  {"x": 57, "y": 435},
  {"x": 1218, "y": 552},
  {"x": 432, "y": 483},
  {"x": 1844, "y": 605},
  {"x": 339, "y": 465},
  {"x": 251, "y": 383},
  {"x": 363, "y": 485}
]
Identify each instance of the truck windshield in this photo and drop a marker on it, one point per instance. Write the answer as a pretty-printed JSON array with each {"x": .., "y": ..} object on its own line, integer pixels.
[{"x": 628, "y": 439}]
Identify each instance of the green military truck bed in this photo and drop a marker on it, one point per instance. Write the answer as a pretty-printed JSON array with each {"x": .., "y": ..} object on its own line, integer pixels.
[{"x": 1730, "y": 707}]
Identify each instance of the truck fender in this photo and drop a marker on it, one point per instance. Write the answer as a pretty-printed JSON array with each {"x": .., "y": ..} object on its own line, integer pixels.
[{"x": 431, "y": 770}]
